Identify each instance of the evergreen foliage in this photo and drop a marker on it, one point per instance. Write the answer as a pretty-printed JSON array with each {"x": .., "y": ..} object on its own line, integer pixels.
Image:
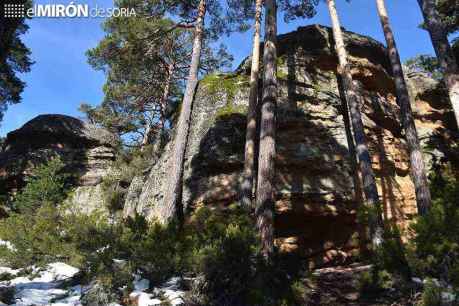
[
  {"x": 218, "y": 248},
  {"x": 449, "y": 13},
  {"x": 146, "y": 60},
  {"x": 435, "y": 247},
  {"x": 14, "y": 57},
  {"x": 48, "y": 184},
  {"x": 429, "y": 64},
  {"x": 425, "y": 63}
]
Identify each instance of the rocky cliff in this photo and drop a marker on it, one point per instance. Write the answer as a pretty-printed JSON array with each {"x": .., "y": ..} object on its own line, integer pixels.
[
  {"x": 317, "y": 197},
  {"x": 86, "y": 150}
]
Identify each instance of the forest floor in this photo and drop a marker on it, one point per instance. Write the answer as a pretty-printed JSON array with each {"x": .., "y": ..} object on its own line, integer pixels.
[{"x": 341, "y": 286}]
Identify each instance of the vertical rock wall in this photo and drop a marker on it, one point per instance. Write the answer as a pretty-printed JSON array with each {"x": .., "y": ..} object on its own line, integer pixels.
[{"x": 316, "y": 204}]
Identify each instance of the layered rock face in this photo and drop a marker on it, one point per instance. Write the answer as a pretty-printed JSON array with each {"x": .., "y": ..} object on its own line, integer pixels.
[
  {"x": 86, "y": 150},
  {"x": 317, "y": 195}
]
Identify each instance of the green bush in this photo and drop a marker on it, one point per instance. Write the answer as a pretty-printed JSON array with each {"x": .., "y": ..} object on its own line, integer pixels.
[
  {"x": 218, "y": 246},
  {"x": 431, "y": 296},
  {"x": 434, "y": 251},
  {"x": 37, "y": 238},
  {"x": 48, "y": 183},
  {"x": 223, "y": 253},
  {"x": 391, "y": 255},
  {"x": 374, "y": 282},
  {"x": 223, "y": 250},
  {"x": 157, "y": 251}
]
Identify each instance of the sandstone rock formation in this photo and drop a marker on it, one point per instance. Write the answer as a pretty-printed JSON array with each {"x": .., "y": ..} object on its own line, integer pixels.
[
  {"x": 316, "y": 203},
  {"x": 86, "y": 150}
]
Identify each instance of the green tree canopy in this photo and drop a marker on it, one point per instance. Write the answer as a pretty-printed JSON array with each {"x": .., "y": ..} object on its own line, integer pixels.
[
  {"x": 146, "y": 60},
  {"x": 14, "y": 58},
  {"x": 449, "y": 12}
]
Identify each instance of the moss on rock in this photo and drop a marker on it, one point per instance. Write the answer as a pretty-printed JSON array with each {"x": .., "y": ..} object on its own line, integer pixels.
[
  {"x": 227, "y": 84},
  {"x": 231, "y": 109}
]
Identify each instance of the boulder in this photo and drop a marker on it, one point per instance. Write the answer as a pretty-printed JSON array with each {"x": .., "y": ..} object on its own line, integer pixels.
[{"x": 87, "y": 151}]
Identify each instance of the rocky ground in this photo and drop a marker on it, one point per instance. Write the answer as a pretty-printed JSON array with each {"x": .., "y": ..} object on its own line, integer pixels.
[{"x": 340, "y": 286}]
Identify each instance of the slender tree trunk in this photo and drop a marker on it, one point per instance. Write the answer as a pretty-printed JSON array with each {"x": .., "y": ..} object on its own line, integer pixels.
[
  {"x": 146, "y": 135},
  {"x": 163, "y": 105},
  {"x": 418, "y": 171},
  {"x": 266, "y": 159},
  {"x": 443, "y": 51},
  {"x": 363, "y": 155},
  {"x": 251, "y": 132},
  {"x": 171, "y": 207}
]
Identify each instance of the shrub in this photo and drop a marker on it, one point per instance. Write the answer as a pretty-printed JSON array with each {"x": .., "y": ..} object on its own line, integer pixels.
[
  {"x": 219, "y": 247},
  {"x": 224, "y": 252},
  {"x": 155, "y": 250},
  {"x": 431, "y": 295},
  {"x": 37, "y": 238},
  {"x": 48, "y": 183},
  {"x": 373, "y": 282},
  {"x": 434, "y": 251},
  {"x": 391, "y": 255},
  {"x": 226, "y": 264}
]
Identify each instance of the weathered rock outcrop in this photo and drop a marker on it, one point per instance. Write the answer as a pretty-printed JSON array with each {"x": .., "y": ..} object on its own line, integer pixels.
[
  {"x": 86, "y": 150},
  {"x": 316, "y": 203}
]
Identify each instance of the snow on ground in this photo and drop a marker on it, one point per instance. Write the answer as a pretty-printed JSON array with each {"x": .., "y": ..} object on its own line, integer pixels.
[
  {"x": 44, "y": 287},
  {"x": 7, "y": 244},
  {"x": 6, "y": 270},
  {"x": 170, "y": 291}
]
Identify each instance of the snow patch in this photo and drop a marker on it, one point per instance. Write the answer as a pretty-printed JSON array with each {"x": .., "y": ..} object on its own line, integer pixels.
[
  {"x": 144, "y": 299},
  {"x": 44, "y": 288},
  {"x": 6, "y": 270},
  {"x": 170, "y": 291},
  {"x": 141, "y": 284},
  {"x": 7, "y": 244}
]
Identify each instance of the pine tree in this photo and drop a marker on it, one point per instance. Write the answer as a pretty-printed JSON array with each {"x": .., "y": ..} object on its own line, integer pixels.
[
  {"x": 292, "y": 9},
  {"x": 250, "y": 138},
  {"x": 418, "y": 172},
  {"x": 363, "y": 155},
  {"x": 143, "y": 76},
  {"x": 265, "y": 196},
  {"x": 193, "y": 13},
  {"x": 173, "y": 195},
  {"x": 449, "y": 14},
  {"x": 445, "y": 55},
  {"x": 14, "y": 58},
  {"x": 146, "y": 59}
]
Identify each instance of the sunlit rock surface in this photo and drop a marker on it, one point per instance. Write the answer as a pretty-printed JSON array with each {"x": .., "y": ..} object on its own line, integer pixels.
[{"x": 316, "y": 203}]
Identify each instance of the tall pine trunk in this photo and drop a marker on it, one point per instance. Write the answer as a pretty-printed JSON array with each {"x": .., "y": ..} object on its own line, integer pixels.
[
  {"x": 172, "y": 207},
  {"x": 163, "y": 105},
  {"x": 418, "y": 171},
  {"x": 266, "y": 159},
  {"x": 363, "y": 155},
  {"x": 251, "y": 132},
  {"x": 443, "y": 51}
]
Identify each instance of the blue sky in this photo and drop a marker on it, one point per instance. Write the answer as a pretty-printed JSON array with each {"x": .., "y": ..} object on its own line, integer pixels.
[{"x": 61, "y": 79}]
